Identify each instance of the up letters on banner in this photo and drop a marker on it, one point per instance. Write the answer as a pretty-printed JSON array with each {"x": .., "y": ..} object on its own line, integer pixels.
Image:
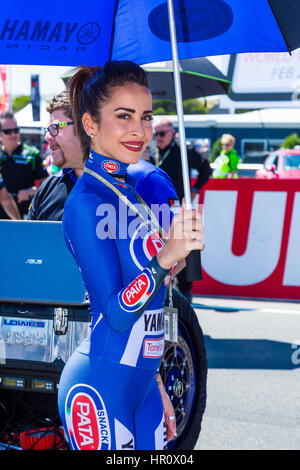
[{"x": 252, "y": 239}]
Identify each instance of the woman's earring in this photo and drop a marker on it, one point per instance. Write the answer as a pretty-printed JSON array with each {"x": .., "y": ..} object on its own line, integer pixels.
[{"x": 92, "y": 135}]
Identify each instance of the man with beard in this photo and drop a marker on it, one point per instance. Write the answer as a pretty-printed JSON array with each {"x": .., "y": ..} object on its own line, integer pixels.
[{"x": 48, "y": 203}]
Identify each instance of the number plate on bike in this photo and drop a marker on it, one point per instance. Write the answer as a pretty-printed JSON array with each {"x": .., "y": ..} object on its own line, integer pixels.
[{"x": 171, "y": 324}]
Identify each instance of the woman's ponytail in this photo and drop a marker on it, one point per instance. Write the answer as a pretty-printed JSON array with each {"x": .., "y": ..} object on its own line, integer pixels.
[{"x": 76, "y": 85}]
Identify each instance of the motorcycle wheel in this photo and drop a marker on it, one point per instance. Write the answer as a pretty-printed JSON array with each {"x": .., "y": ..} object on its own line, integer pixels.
[{"x": 184, "y": 373}]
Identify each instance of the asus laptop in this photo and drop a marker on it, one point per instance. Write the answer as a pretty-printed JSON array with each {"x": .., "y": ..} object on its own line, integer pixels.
[{"x": 36, "y": 266}]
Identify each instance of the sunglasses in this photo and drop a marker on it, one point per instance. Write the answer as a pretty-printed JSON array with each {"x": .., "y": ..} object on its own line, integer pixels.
[
  {"x": 16, "y": 130},
  {"x": 160, "y": 133},
  {"x": 53, "y": 129}
]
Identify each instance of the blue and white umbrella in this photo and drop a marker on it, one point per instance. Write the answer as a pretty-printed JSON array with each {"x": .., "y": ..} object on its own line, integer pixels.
[{"x": 72, "y": 32}]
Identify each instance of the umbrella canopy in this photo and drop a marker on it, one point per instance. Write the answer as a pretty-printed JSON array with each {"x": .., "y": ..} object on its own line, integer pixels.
[
  {"x": 199, "y": 78},
  {"x": 73, "y": 33}
]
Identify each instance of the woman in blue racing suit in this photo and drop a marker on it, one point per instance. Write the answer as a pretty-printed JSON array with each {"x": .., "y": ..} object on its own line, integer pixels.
[{"x": 109, "y": 397}]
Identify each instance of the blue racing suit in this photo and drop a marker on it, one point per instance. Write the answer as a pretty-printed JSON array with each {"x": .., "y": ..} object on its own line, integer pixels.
[{"x": 108, "y": 397}]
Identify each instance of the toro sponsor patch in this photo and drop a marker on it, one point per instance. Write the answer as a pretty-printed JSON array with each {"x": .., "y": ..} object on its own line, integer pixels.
[
  {"x": 138, "y": 292},
  {"x": 87, "y": 420},
  {"x": 153, "y": 348},
  {"x": 110, "y": 167}
]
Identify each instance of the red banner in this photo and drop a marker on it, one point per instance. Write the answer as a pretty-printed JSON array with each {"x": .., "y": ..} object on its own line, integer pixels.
[
  {"x": 4, "y": 103},
  {"x": 252, "y": 239}
]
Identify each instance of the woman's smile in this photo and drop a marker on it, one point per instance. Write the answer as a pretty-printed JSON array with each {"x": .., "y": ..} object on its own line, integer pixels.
[{"x": 134, "y": 146}]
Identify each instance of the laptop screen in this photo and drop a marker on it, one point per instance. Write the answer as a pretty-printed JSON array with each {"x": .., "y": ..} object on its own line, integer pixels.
[{"x": 36, "y": 266}]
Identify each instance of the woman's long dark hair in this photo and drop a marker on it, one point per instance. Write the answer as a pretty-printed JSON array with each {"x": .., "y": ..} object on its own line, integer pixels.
[{"x": 91, "y": 87}]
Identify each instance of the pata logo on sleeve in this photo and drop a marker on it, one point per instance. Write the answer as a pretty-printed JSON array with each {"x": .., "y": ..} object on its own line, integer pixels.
[{"x": 138, "y": 292}]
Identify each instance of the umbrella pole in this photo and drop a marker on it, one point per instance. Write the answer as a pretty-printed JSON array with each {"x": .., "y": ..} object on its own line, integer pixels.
[
  {"x": 193, "y": 261},
  {"x": 179, "y": 106}
]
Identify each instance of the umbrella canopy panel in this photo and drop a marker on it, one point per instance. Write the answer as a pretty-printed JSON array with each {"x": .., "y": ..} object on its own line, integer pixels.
[{"x": 199, "y": 78}]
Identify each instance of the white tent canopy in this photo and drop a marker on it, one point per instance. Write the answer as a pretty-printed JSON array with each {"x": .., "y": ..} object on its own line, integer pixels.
[{"x": 24, "y": 117}]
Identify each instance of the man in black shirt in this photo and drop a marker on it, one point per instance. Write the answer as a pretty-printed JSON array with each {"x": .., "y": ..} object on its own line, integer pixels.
[
  {"x": 48, "y": 203},
  {"x": 168, "y": 159},
  {"x": 8, "y": 203},
  {"x": 20, "y": 165}
]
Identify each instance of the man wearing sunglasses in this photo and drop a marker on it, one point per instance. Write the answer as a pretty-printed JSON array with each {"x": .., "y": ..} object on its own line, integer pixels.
[
  {"x": 20, "y": 164},
  {"x": 168, "y": 158},
  {"x": 48, "y": 203}
]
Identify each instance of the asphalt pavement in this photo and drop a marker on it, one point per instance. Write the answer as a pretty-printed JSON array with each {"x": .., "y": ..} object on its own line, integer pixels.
[{"x": 253, "y": 353}]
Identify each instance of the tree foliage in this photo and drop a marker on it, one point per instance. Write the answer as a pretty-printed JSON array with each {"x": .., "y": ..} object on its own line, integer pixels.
[
  {"x": 19, "y": 102},
  {"x": 168, "y": 107},
  {"x": 216, "y": 150},
  {"x": 291, "y": 141}
]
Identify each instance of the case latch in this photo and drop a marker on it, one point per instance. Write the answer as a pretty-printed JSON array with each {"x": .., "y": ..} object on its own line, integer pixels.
[{"x": 60, "y": 323}]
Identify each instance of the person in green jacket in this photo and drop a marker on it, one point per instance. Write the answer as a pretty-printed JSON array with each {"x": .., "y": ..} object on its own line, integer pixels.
[{"x": 226, "y": 164}]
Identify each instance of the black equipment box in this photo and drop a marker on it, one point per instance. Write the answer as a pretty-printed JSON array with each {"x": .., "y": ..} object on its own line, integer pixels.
[
  {"x": 44, "y": 311},
  {"x": 36, "y": 341}
]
